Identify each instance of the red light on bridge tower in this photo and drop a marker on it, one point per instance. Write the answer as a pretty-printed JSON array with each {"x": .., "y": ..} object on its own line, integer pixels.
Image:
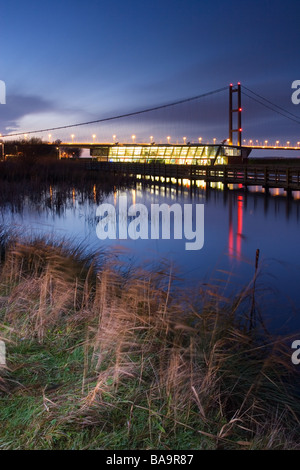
[{"x": 232, "y": 111}]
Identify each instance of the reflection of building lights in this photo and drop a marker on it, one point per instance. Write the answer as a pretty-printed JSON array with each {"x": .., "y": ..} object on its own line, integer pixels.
[
  {"x": 201, "y": 184},
  {"x": 296, "y": 195},
  {"x": 133, "y": 196}
]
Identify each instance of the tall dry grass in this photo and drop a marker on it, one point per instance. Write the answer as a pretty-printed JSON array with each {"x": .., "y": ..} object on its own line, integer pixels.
[{"x": 184, "y": 364}]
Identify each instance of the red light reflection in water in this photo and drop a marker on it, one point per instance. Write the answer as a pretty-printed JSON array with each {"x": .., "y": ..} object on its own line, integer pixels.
[
  {"x": 238, "y": 242},
  {"x": 239, "y": 227},
  {"x": 230, "y": 237}
]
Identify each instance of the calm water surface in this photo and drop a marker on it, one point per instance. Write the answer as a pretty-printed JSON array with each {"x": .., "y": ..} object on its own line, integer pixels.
[{"x": 237, "y": 223}]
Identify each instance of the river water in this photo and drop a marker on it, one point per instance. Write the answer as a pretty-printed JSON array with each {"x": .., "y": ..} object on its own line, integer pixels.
[{"x": 236, "y": 224}]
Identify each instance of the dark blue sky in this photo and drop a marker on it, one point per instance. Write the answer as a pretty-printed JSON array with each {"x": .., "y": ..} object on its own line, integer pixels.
[{"x": 71, "y": 61}]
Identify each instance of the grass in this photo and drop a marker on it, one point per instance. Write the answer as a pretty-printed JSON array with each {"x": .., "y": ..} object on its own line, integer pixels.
[{"x": 100, "y": 358}]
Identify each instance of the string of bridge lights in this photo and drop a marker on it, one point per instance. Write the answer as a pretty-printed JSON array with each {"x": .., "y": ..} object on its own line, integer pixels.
[{"x": 246, "y": 142}]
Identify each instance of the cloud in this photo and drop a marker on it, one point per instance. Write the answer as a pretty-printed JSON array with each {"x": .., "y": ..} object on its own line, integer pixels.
[{"x": 19, "y": 106}]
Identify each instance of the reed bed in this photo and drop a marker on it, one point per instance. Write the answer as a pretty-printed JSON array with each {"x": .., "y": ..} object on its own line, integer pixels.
[{"x": 102, "y": 357}]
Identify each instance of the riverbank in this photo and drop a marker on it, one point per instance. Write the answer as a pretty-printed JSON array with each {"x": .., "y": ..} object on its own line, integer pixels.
[
  {"x": 37, "y": 171},
  {"x": 100, "y": 357}
]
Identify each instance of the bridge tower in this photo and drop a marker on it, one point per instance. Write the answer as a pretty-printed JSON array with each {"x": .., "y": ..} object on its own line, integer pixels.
[{"x": 235, "y": 109}]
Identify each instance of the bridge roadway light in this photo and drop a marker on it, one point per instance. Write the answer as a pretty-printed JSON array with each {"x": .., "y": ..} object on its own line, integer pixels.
[
  {"x": 151, "y": 139},
  {"x": 184, "y": 140},
  {"x": 200, "y": 138},
  {"x": 72, "y": 137},
  {"x": 49, "y": 137},
  {"x": 133, "y": 138},
  {"x": 214, "y": 139},
  {"x": 168, "y": 138},
  {"x": 94, "y": 137},
  {"x": 277, "y": 142},
  {"x": 114, "y": 138}
]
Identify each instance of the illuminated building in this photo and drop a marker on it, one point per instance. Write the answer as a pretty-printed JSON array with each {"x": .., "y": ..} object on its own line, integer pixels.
[{"x": 190, "y": 154}]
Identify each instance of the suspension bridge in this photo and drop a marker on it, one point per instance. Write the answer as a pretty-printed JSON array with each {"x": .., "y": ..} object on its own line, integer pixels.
[{"x": 175, "y": 149}]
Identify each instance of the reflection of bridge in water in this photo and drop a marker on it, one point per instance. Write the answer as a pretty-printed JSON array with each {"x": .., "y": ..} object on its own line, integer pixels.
[{"x": 238, "y": 202}]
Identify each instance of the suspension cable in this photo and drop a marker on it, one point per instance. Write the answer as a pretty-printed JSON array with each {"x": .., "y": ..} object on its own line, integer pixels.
[
  {"x": 135, "y": 113},
  {"x": 272, "y": 104}
]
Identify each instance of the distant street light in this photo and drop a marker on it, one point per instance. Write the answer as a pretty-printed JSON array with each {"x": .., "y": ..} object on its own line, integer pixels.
[
  {"x": 94, "y": 137},
  {"x": 133, "y": 138},
  {"x": 168, "y": 138},
  {"x": 199, "y": 138},
  {"x": 184, "y": 140},
  {"x": 114, "y": 138},
  {"x": 151, "y": 139},
  {"x": 25, "y": 135},
  {"x": 214, "y": 139},
  {"x": 49, "y": 137},
  {"x": 72, "y": 137}
]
